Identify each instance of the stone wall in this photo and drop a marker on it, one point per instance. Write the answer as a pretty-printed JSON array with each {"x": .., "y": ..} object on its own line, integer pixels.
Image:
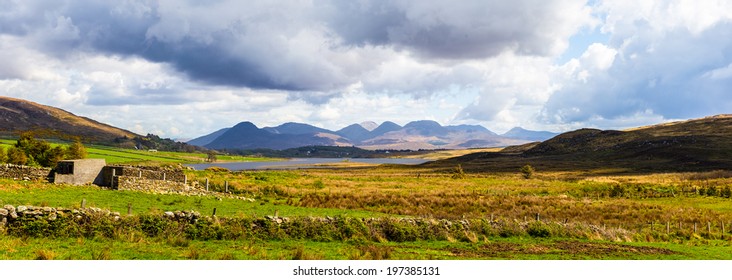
[
  {"x": 144, "y": 172},
  {"x": 135, "y": 183},
  {"x": 11, "y": 214},
  {"x": 21, "y": 172}
]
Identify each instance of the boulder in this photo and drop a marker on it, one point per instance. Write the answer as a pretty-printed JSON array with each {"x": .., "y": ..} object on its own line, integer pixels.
[{"x": 4, "y": 212}]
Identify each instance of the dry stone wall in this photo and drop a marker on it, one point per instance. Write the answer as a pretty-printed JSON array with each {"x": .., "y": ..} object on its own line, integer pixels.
[
  {"x": 10, "y": 214},
  {"x": 151, "y": 172},
  {"x": 22, "y": 172},
  {"x": 135, "y": 183}
]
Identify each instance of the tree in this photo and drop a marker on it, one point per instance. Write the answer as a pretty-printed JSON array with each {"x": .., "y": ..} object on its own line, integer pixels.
[
  {"x": 37, "y": 152},
  {"x": 52, "y": 156},
  {"x": 211, "y": 156},
  {"x": 527, "y": 171},
  {"x": 76, "y": 151},
  {"x": 17, "y": 156},
  {"x": 3, "y": 155}
]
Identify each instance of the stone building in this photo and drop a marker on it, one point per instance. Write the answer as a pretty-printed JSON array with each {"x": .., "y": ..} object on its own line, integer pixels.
[{"x": 80, "y": 172}]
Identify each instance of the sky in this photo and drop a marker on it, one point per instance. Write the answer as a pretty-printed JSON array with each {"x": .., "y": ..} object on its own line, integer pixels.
[{"x": 182, "y": 69}]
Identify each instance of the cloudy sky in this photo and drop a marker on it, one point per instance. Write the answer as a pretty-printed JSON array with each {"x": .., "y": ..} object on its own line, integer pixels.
[{"x": 181, "y": 69}]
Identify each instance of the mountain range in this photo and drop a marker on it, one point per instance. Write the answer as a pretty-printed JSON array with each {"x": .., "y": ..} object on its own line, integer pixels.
[{"x": 415, "y": 135}]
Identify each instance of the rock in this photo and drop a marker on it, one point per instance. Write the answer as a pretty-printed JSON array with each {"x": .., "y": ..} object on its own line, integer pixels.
[
  {"x": 52, "y": 217},
  {"x": 116, "y": 214},
  {"x": 48, "y": 209},
  {"x": 21, "y": 209},
  {"x": 4, "y": 212},
  {"x": 13, "y": 215},
  {"x": 4, "y": 221},
  {"x": 169, "y": 214},
  {"x": 9, "y": 207}
]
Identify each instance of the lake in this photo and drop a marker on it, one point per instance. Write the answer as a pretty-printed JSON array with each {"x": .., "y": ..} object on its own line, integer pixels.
[{"x": 297, "y": 163}]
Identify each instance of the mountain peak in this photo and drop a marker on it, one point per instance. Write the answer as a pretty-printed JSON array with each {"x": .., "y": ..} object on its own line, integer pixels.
[
  {"x": 524, "y": 134},
  {"x": 369, "y": 125}
]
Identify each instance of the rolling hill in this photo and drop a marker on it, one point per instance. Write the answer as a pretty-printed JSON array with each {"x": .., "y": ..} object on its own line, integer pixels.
[
  {"x": 698, "y": 144},
  {"x": 17, "y": 115}
]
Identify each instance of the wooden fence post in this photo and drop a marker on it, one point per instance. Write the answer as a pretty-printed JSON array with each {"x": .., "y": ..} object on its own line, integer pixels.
[
  {"x": 226, "y": 186},
  {"x": 129, "y": 208},
  {"x": 83, "y": 203},
  {"x": 214, "y": 212},
  {"x": 491, "y": 218},
  {"x": 139, "y": 174},
  {"x": 537, "y": 217},
  {"x": 694, "y": 227},
  {"x": 668, "y": 227},
  {"x": 709, "y": 227},
  {"x": 163, "y": 176},
  {"x": 185, "y": 179},
  {"x": 206, "y": 184}
]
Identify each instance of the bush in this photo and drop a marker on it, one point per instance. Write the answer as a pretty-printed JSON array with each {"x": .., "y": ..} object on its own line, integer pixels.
[
  {"x": 217, "y": 169},
  {"x": 458, "y": 173},
  {"x": 527, "y": 171},
  {"x": 538, "y": 229}
]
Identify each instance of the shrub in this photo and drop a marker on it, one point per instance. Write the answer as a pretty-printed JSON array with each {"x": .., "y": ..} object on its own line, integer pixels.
[
  {"x": 527, "y": 171},
  {"x": 217, "y": 169},
  {"x": 458, "y": 173},
  {"x": 538, "y": 229}
]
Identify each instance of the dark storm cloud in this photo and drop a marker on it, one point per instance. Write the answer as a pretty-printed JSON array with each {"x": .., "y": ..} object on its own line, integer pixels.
[
  {"x": 458, "y": 30},
  {"x": 286, "y": 46}
]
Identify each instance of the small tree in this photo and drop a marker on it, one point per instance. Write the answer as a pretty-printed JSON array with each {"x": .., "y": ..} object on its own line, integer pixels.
[
  {"x": 3, "y": 155},
  {"x": 211, "y": 156},
  {"x": 458, "y": 173},
  {"x": 527, "y": 171},
  {"x": 17, "y": 156},
  {"x": 76, "y": 151}
]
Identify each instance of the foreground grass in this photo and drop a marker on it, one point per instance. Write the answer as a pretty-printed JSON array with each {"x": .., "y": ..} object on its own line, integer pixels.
[
  {"x": 14, "y": 248},
  {"x": 40, "y": 194}
]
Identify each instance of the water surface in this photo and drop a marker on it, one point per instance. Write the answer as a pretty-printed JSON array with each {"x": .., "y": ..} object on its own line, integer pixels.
[{"x": 297, "y": 163}]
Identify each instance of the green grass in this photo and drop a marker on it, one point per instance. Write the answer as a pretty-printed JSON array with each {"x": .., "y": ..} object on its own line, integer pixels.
[
  {"x": 143, "y": 248},
  {"x": 27, "y": 193}
]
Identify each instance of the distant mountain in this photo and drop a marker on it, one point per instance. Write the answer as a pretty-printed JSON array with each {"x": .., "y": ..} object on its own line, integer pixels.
[
  {"x": 246, "y": 135},
  {"x": 17, "y": 115},
  {"x": 355, "y": 132},
  {"x": 470, "y": 128},
  {"x": 431, "y": 135},
  {"x": 384, "y": 128},
  {"x": 523, "y": 134},
  {"x": 296, "y": 128},
  {"x": 204, "y": 140}
]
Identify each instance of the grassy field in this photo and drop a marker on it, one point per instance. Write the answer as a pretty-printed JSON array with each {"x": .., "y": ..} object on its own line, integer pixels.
[
  {"x": 128, "y": 156},
  {"x": 587, "y": 215}
]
